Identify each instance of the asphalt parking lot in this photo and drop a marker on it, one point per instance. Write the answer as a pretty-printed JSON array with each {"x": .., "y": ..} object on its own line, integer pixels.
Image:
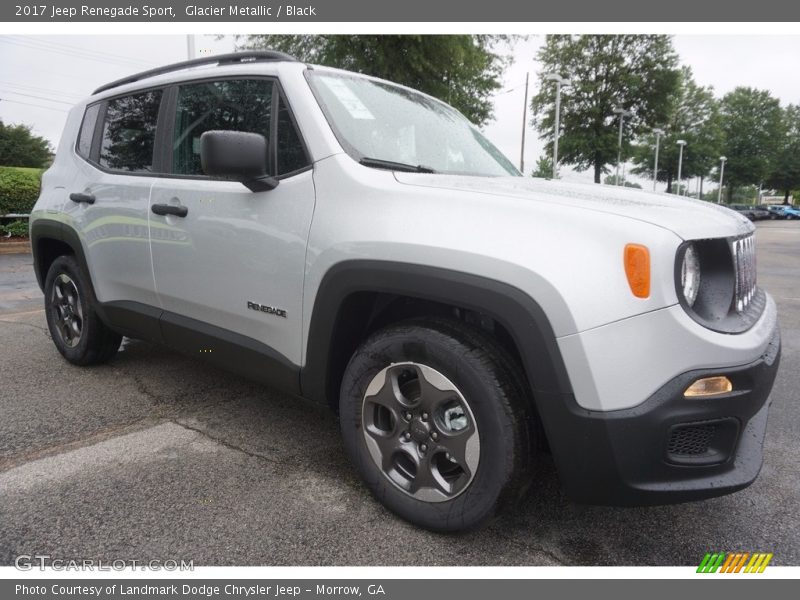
[{"x": 157, "y": 456}]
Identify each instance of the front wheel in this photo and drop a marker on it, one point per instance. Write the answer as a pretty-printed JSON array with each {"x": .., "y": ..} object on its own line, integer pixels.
[
  {"x": 434, "y": 417},
  {"x": 77, "y": 331}
]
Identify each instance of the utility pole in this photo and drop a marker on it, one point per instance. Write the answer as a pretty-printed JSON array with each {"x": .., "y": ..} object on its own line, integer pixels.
[
  {"x": 190, "y": 46},
  {"x": 560, "y": 82},
  {"x": 622, "y": 114},
  {"x": 722, "y": 160},
  {"x": 680, "y": 143},
  {"x": 524, "y": 126},
  {"x": 658, "y": 133}
]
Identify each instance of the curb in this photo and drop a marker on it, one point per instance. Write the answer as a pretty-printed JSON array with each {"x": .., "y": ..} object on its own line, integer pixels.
[{"x": 23, "y": 247}]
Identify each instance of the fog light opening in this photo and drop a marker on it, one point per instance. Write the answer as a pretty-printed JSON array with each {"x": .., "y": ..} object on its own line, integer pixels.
[{"x": 709, "y": 386}]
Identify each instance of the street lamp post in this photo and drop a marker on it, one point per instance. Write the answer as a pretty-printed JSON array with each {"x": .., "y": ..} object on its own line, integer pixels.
[
  {"x": 524, "y": 126},
  {"x": 659, "y": 133},
  {"x": 722, "y": 160},
  {"x": 680, "y": 143},
  {"x": 560, "y": 82},
  {"x": 622, "y": 114}
]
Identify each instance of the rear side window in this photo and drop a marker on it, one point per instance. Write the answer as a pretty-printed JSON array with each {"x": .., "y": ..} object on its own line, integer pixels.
[
  {"x": 291, "y": 154},
  {"x": 84, "y": 146},
  {"x": 129, "y": 132},
  {"x": 231, "y": 104}
]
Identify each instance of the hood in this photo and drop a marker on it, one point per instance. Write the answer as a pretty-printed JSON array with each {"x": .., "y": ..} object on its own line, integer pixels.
[{"x": 686, "y": 217}]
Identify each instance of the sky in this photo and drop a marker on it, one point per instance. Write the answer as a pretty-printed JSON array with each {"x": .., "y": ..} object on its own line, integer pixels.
[{"x": 42, "y": 76}]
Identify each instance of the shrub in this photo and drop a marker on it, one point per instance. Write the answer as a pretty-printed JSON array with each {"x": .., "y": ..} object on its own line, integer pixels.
[
  {"x": 19, "y": 189},
  {"x": 16, "y": 228}
]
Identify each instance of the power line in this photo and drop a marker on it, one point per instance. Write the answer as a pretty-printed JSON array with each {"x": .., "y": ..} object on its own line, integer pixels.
[
  {"x": 40, "y": 97},
  {"x": 32, "y": 104},
  {"x": 70, "y": 47},
  {"x": 85, "y": 56},
  {"x": 508, "y": 91},
  {"x": 33, "y": 88}
]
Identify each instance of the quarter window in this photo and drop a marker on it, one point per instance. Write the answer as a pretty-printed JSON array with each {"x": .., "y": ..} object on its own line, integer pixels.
[
  {"x": 129, "y": 132},
  {"x": 291, "y": 155},
  {"x": 231, "y": 104},
  {"x": 87, "y": 130}
]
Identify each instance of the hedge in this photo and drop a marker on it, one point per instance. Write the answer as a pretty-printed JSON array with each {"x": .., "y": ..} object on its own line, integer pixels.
[
  {"x": 19, "y": 189},
  {"x": 16, "y": 228}
]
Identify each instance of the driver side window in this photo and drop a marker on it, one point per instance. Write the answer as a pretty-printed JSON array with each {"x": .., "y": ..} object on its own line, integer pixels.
[{"x": 231, "y": 104}]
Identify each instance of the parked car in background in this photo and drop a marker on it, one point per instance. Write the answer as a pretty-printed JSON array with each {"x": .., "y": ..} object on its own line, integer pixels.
[
  {"x": 744, "y": 210},
  {"x": 754, "y": 213},
  {"x": 760, "y": 213},
  {"x": 784, "y": 212}
]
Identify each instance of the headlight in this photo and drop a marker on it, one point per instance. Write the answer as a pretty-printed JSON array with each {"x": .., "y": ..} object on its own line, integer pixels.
[
  {"x": 690, "y": 275},
  {"x": 712, "y": 276}
]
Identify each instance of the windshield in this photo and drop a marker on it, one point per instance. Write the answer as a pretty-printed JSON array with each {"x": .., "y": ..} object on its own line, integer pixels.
[{"x": 386, "y": 126}]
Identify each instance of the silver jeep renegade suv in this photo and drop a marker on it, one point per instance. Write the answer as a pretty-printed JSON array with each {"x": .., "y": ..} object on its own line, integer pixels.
[{"x": 362, "y": 244}]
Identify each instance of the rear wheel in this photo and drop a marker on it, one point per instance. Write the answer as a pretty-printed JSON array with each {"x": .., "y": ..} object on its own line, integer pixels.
[
  {"x": 434, "y": 418},
  {"x": 77, "y": 331}
]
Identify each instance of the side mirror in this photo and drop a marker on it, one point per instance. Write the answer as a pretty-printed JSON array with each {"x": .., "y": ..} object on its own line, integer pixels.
[{"x": 237, "y": 155}]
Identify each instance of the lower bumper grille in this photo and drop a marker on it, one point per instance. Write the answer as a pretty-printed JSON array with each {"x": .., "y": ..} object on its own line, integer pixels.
[
  {"x": 691, "y": 440},
  {"x": 702, "y": 442}
]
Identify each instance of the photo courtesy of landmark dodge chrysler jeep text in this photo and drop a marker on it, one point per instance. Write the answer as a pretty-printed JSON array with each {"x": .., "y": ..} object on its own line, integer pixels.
[{"x": 359, "y": 243}]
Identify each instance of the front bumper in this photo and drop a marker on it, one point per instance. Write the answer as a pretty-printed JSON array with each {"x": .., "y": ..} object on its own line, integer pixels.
[{"x": 667, "y": 449}]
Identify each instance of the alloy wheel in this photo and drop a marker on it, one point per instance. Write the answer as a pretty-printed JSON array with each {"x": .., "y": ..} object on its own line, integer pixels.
[
  {"x": 420, "y": 431},
  {"x": 65, "y": 301}
]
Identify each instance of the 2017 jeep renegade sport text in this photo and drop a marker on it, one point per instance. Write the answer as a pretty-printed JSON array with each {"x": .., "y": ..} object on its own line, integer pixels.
[{"x": 362, "y": 244}]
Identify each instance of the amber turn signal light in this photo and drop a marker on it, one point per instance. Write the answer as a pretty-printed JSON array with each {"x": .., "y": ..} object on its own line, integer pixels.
[
  {"x": 709, "y": 386},
  {"x": 637, "y": 269}
]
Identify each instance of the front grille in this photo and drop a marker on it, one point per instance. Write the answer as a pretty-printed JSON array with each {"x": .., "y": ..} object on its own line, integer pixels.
[
  {"x": 691, "y": 440},
  {"x": 744, "y": 262}
]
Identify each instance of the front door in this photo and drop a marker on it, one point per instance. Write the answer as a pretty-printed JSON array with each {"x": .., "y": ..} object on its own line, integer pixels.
[{"x": 233, "y": 265}]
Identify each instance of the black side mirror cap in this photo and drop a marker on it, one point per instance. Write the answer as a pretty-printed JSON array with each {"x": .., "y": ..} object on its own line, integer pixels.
[
  {"x": 261, "y": 184},
  {"x": 237, "y": 155}
]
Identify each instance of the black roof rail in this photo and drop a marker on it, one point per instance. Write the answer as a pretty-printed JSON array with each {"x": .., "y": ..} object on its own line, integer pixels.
[{"x": 219, "y": 59}]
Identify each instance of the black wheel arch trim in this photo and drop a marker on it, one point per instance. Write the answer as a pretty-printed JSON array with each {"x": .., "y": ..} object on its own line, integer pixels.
[
  {"x": 49, "y": 229},
  {"x": 515, "y": 310}
]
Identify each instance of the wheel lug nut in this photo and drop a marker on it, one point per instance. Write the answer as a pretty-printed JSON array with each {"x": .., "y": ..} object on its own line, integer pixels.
[
  {"x": 424, "y": 416},
  {"x": 408, "y": 416},
  {"x": 435, "y": 436},
  {"x": 423, "y": 447},
  {"x": 406, "y": 436}
]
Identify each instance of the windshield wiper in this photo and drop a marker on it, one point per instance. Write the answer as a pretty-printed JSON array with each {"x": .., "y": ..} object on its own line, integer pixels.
[{"x": 379, "y": 163}]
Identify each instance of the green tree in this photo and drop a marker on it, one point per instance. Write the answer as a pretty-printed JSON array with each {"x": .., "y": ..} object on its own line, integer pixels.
[
  {"x": 544, "y": 167},
  {"x": 462, "y": 70},
  {"x": 19, "y": 147},
  {"x": 785, "y": 174},
  {"x": 637, "y": 73},
  {"x": 752, "y": 123},
  {"x": 612, "y": 180},
  {"x": 693, "y": 116}
]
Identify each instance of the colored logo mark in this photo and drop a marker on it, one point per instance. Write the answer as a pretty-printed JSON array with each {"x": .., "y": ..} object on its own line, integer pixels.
[{"x": 734, "y": 562}]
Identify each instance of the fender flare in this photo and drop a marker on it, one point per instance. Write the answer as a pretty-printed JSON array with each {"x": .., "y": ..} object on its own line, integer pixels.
[
  {"x": 45, "y": 228},
  {"x": 515, "y": 310}
]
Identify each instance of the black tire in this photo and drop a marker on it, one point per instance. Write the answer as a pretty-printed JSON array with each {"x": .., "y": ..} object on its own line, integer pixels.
[
  {"x": 490, "y": 382},
  {"x": 77, "y": 331}
]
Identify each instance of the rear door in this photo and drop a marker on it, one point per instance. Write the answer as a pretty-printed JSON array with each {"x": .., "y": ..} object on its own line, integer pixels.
[
  {"x": 233, "y": 266},
  {"x": 111, "y": 193}
]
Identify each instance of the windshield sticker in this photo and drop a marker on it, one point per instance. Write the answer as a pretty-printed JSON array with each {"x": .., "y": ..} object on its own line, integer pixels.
[{"x": 349, "y": 100}]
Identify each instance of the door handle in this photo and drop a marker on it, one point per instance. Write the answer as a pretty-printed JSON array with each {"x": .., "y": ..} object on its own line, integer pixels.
[
  {"x": 170, "y": 209},
  {"x": 81, "y": 197}
]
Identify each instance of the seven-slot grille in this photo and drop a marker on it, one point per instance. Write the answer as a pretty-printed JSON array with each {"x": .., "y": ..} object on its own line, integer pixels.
[{"x": 744, "y": 262}]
